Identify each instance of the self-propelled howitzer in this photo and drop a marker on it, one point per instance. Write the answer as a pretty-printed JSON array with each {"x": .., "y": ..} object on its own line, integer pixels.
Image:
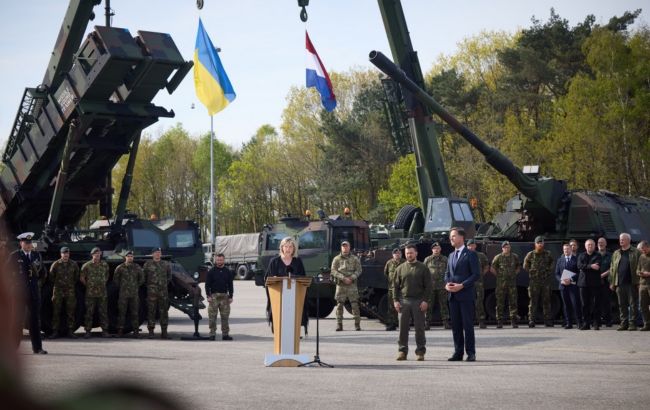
[{"x": 544, "y": 206}]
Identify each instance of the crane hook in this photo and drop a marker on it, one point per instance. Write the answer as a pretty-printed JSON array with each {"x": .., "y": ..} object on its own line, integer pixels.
[{"x": 303, "y": 14}]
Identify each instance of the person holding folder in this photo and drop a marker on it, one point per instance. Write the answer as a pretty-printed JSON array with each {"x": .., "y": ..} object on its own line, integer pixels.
[{"x": 566, "y": 272}]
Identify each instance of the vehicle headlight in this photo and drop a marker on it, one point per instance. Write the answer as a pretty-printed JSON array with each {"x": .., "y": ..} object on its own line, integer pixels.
[{"x": 196, "y": 275}]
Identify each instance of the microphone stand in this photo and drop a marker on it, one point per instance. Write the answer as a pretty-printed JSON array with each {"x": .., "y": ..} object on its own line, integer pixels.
[{"x": 317, "y": 361}]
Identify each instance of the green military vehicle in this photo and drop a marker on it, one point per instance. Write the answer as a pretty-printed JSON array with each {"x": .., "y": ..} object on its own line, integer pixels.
[
  {"x": 318, "y": 243},
  {"x": 69, "y": 132}
]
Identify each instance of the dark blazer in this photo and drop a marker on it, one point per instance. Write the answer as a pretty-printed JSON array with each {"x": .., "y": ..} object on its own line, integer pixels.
[
  {"x": 467, "y": 271},
  {"x": 562, "y": 264},
  {"x": 278, "y": 268},
  {"x": 29, "y": 269},
  {"x": 589, "y": 278}
]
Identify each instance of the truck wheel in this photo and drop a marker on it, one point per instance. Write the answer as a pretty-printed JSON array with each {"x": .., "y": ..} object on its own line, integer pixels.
[
  {"x": 405, "y": 216},
  {"x": 243, "y": 272},
  {"x": 326, "y": 306}
]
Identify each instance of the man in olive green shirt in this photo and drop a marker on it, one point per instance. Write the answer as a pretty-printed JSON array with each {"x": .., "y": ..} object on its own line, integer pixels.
[
  {"x": 411, "y": 289},
  {"x": 389, "y": 271},
  {"x": 643, "y": 271}
]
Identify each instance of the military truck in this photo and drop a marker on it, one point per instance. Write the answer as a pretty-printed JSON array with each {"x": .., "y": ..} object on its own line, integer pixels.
[
  {"x": 318, "y": 243},
  {"x": 240, "y": 252},
  {"x": 68, "y": 134}
]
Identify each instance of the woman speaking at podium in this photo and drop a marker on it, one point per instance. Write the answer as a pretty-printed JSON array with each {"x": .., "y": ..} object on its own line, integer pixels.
[{"x": 287, "y": 263}]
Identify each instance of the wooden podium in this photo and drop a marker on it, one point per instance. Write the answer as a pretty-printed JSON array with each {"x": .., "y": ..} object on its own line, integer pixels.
[{"x": 287, "y": 295}]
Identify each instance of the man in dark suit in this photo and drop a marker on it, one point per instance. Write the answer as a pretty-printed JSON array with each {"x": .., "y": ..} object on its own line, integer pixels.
[
  {"x": 463, "y": 269},
  {"x": 589, "y": 283},
  {"x": 568, "y": 289},
  {"x": 27, "y": 264}
]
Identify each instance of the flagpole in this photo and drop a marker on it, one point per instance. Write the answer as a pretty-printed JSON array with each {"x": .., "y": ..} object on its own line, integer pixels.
[{"x": 212, "y": 182}]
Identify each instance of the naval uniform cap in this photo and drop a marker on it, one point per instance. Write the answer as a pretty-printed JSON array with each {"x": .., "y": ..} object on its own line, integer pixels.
[{"x": 25, "y": 236}]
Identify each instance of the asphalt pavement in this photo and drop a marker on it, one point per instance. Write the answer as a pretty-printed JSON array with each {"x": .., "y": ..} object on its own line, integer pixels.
[{"x": 539, "y": 368}]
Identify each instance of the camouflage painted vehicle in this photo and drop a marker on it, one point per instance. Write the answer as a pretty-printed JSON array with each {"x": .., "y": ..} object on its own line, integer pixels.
[
  {"x": 318, "y": 243},
  {"x": 70, "y": 131}
]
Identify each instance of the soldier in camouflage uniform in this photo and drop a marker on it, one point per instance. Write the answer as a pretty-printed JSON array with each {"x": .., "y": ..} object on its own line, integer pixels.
[
  {"x": 389, "y": 271},
  {"x": 643, "y": 271},
  {"x": 128, "y": 277},
  {"x": 158, "y": 274},
  {"x": 478, "y": 285},
  {"x": 505, "y": 267},
  {"x": 346, "y": 269},
  {"x": 437, "y": 264},
  {"x": 94, "y": 275},
  {"x": 539, "y": 265},
  {"x": 65, "y": 274}
]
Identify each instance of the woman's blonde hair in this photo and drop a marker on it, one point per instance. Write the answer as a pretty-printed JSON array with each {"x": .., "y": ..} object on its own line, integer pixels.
[{"x": 289, "y": 241}]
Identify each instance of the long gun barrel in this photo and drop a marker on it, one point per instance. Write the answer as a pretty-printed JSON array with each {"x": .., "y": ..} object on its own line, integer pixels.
[{"x": 548, "y": 198}]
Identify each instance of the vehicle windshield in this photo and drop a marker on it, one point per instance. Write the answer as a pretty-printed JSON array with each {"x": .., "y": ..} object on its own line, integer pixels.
[
  {"x": 181, "y": 239},
  {"x": 439, "y": 218},
  {"x": 145, "y": 238},
  {"x": 312, "y": 240},
  {"x": 273, "y": 240}
]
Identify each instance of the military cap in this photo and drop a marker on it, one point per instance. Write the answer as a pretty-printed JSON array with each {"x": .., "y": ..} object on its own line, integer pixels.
[
  {"x": 25, "y": 236},
  {"x": 129, "y": 252},
  {"x": 156, "y": 249},
  {"x": 95, "y": 250},
  {"x": 539, "y": 239},
  {"x": 345, "y": 243},
  {"x": 471, "y": 242},
  {"x": 435, "y": 245},
  {"x": 65, "y": 249},
  {"x": 396, "y": 250},
  {"x": 505, "y": 243}
]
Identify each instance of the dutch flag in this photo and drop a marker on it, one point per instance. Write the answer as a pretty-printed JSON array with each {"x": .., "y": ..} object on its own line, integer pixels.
[{"x": 317, "y": 77}]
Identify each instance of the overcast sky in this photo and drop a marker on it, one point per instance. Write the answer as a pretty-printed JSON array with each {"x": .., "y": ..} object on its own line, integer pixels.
[{"x": 262, "y": 44}]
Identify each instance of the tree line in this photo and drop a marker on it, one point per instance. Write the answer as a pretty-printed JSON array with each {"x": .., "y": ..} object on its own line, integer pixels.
[{"x": 574, "y": 100}]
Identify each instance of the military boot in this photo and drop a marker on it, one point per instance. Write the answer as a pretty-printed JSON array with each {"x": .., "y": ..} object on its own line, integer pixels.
[
  {"x": 401, "y": 356},
  {"x": 499, "y": 324},
  {"x": 150, "y": 334},
  {"x": 87, "y": 335},
  {"x": 481, "y": 324},
  {"x": 420, "y": 357},
  {"x": 136, "y": 333},
  {"x": 645, "y": 328},
  {"x": 226, "y": 337},
  {"x": 71, "y": 334},
  {"x": 622, "y": 326},
  {"x": 339, "y": 327},
  {"x": 446, "y": 324},
  {"x": 390, "y": 328},
  {"x": 357, "y": 327},
  {"x": 514, "y": 324},
  {"x": 632, "y": 326},
  {"x": 427, "y": 326},
  {"x": 163, "y": 334},
  {"x": 549, "y": 323}
]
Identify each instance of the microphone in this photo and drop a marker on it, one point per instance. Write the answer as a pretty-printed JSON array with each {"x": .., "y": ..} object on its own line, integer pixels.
[{"x": 289, "y": 270}]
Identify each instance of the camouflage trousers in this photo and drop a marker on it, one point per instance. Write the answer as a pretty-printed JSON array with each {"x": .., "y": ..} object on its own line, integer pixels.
[
  {"x": 60, "y": 298},
  {"x": 219, "y": 305},
  {"x": 343, "y": 294},
  {"x": 506, "y": 289},
  {"x": 132, "y": 305},
  {"x": 391, "y": 313},
  {"x": 101, "y": 303},
  {"x": 480, "y": 295},
  {"x": 537, "y": 290},
  {"x": 437, "y": 297},
  {"x": 157, "y": 301}
]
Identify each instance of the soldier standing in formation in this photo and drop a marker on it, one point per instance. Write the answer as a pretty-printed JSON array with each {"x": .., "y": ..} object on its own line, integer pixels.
[
  {"x": 539, "y": 265},
  {"x": 437, "y": 264},
  {"x": 158, "y": 274},
  {"x": 94, "y": 275},
  {"x": 411, "y": 288},
  {"x": 478, "y": 285},
  {"x": 219, "y": 290},
  {"x": 625, "y": 282},
  {"x": 64, "y": 273},
  {"x": 27, "y": 265},
  {"x": 346, "y": 269},
  {"x": 506, "y": 266},
  {"x": 389, "y": 271},
  {"x": 128, "y": 277},
  {"x": 643, "y": 271}
]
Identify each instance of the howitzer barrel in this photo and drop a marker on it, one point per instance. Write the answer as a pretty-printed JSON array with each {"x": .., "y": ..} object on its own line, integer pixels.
[{"x": 527, "y": 185}]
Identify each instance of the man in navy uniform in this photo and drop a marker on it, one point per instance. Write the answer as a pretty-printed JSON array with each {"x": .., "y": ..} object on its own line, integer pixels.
[{"x": 27, "y": 264}]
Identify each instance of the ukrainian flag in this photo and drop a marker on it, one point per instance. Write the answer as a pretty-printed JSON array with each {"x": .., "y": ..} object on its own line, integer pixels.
[{"x": 212, "y": 85}]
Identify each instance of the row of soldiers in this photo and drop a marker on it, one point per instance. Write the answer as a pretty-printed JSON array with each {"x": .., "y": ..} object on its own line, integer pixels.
[
  {"x": 630, "y": 280},
  {"x": 128, "y": 277}
]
